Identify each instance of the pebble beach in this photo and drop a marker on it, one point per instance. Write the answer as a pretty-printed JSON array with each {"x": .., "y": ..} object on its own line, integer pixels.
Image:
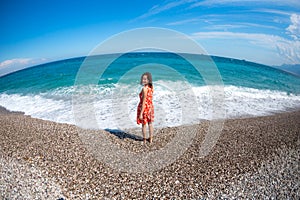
[{"x": 254, "y": 158}]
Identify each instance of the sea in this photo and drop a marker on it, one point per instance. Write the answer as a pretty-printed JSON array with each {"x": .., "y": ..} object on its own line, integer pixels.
[{"x": 108, "y": 89}]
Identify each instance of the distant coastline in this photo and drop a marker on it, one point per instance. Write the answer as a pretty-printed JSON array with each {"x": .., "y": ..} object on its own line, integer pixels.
[{"x": 293, "y": 69}]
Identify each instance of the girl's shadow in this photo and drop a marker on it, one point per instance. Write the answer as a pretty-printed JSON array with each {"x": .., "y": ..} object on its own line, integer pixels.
[{"x": 123, "y": 135}]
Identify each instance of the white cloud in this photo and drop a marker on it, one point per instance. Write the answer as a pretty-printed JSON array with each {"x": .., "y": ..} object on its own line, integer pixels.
[
  {"x": 15, "y": 64},
  {"x": 224, "y": 27},
  {"x": 294, "y": 27},
  {"x": 259, "y": 25},
  {"x": 209, "y": 19},
  {"x": 289, "y": 49},
  {"x": 254, "y": 3},
  {"x": 183, "y": 21},
  {"x": 233, "y": 35},
  {"x": 273, "y": 11},
  {"x": 15, "y": 61},
  {"x": 160, "y": 8}
]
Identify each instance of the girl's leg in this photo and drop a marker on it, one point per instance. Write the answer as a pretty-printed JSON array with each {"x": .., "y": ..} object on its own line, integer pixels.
[
  {"x": 144, "y": 132},
  {"x": 150, "y": 131}
]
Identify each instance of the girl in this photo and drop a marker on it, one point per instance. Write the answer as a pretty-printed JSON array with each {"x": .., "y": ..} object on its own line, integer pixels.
[{"x": 145, "y": 110}]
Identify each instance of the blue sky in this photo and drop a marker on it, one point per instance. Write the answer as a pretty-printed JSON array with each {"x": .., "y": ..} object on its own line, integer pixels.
[{"x": 34, "y": 31}]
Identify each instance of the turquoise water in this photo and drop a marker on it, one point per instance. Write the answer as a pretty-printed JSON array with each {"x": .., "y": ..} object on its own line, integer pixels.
[
  {"x": 45, "y": 91},
  {"x": 53, "y": 75}
]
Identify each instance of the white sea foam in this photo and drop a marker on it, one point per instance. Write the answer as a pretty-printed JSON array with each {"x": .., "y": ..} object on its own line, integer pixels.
[{"x": 115, "y": 106}]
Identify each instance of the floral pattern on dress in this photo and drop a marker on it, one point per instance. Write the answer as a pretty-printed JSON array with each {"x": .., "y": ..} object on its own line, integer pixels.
[{"x": 148, "y": 114}]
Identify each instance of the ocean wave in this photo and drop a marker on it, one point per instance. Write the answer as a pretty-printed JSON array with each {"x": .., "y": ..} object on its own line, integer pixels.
[{"x": 115, "y": 105}]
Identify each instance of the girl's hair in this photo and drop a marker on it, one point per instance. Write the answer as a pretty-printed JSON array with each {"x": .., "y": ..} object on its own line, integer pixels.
[{"x": 149, "y": 76}]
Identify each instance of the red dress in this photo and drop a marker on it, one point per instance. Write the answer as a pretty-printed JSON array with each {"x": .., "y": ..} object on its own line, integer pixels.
[{"x": 148, "y": 114}]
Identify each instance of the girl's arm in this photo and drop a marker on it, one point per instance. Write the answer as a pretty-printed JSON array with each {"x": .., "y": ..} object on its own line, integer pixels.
[{"x": 144, "y": 101}]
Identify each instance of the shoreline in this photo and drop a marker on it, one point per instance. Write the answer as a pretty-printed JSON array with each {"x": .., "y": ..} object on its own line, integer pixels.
[
  {"x": 5, "y": 111},
  {"x": 254, "y": 157}
]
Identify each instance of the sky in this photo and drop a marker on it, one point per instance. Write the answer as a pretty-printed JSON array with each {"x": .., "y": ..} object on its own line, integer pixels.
[{"x": 35, "y": 31}]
